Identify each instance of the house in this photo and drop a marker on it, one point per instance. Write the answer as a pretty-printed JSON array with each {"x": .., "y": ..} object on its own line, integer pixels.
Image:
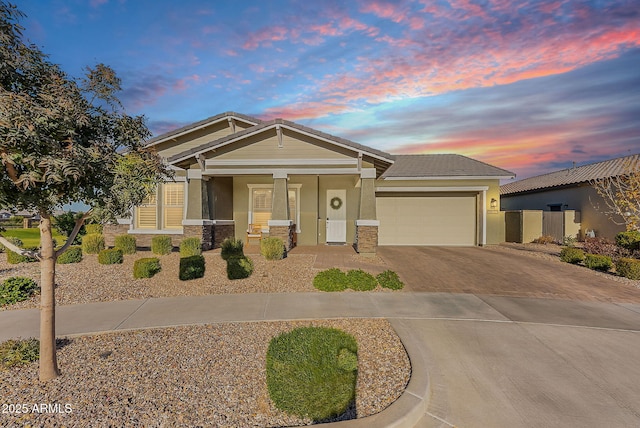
[
  {"x": 311, "y": 188},
  {"x": 569, "y": 189}
]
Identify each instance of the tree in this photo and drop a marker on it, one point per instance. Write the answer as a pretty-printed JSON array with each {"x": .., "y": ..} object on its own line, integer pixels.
[
  {"x": 64, "y": 140},
  {"x": 621, "y": 194}
]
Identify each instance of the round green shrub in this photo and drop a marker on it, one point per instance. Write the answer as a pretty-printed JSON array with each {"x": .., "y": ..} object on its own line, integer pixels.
[
  {"x": 93, "y": 228},
  {"x": 16, "y": 289},
  {"x": 110, "y": 256},
  {"x": 359, "y": 280},
  {"x": 18, "y": 352},
  {"x": 629, "y": 240},
  {"x": 389, "y": 279},
  {"x": 92, "y": 243},
  {"x": 330, "y": 280},
  {"x": 629, "y": 268},
  {"x": 191, "y": 267},
  {"x": 72, "y": 255},
  {"x": 239, "y": 267},
  {"x": 190, "y": 247},
  {"x": 126, "y": 243},
  {"x": 161, "y": 245},
  {"x": 312, "y": 371},
  {"x": 272, "y": 248},
  {"x": 571, "y": 255},
  {"x": 146, "y": 267},
  {"x": 231, "y": 247},
  {"x": 598, "y": 262}
]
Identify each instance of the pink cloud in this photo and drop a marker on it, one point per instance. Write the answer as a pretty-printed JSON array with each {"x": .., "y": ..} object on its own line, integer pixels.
[
  {"x": 265, "y": 37},
  {"x": 385, "y": 10}
]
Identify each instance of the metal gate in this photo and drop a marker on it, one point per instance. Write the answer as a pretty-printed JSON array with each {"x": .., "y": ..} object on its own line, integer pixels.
[{"x": 553, "y": 224}]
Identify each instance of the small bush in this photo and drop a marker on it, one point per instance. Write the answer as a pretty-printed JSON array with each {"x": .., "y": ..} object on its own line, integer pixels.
[
  {"x": 598, "y": 262},
  {"x": 239, "y": 267},
  {"x": 330, "y": 280},
  {"x": 161, "y": 245},
  {"x": 92, "y": 243},
  {"x": 312, "y": 371},
  {"x": 571, "y": 255},
  {"x": 190, "y": 247},
  {"x": 604, "y": 247},
  {"x": 126, "y": 243},
  {"x": 110, "y": 256},
  {"x": 569, "y": 241},
  {"x": 544, "y": 239},
  {"x": 72, "y": 255},
  {"x": 191, "y": 267},
  {"x": 629, "y": 240},
  {"x": 18, "y": 352},
  {"x": 272, "y": 248},
  {"x": 231, "y": 247},
  {"x": 389, "y": 279},
  {"x": 359, "y": 280},
  {"x": 629, "y": 268},
  {"x": 146, "y": 268},
  {"x": 95, "y": 229},
  {"x": 16, "y": 289}
]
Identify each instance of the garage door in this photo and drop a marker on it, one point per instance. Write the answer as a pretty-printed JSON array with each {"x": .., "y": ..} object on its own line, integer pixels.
[{"x": 428, "y": 220}]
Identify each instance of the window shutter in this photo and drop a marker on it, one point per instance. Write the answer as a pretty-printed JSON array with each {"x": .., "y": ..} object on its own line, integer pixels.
[{"x": 173, "y": 205}]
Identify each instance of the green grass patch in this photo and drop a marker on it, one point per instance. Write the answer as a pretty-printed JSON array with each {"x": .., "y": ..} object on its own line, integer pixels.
[
  {"x": 31, "y": 237},
  {"x": 311, "y": 371},
  {"x": 18, "y": 352}
]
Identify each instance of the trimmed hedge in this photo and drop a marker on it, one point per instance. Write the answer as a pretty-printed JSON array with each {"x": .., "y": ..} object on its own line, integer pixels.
[
  {"x": 126, "y": 243},
  {"x": 93, "y": 228},
  {"x": 389, "y": 279},
  {"x": 629, "y": 240},
  {"x": 161, "y": 245},
  {"x": 72, "y": 255},
  {"x": 146, "y": 267},
  {"x": 190, "y": 247},
  {"x": 92, "y": 243},
  {"x": 359, "y": 280},
  {"x": 629, "y": 268},
  {"x": 571, "y": 255},
  {"x": 239, "y": 267},
  {"x": 110, "y": 256},
  {"x": 312, "y": 371},
  {"x": 598, "y": 262},
  {"x": 272, "y": 248},
  {"x": 191, "y": 267},
  {"x": 330, "y": 280},
  {"x": 16, "y": 289},
  {"x": 231, "y": 247}
]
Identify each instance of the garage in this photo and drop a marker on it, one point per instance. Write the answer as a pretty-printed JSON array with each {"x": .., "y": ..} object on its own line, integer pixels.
[{"x": 427, "y": 220}]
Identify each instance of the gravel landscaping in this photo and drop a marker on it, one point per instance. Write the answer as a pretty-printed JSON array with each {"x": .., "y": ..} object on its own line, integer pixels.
[{"x": 210, "y": 375}]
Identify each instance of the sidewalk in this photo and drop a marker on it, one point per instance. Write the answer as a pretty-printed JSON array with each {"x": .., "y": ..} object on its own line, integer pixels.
[{"x": 476, "y": 360}]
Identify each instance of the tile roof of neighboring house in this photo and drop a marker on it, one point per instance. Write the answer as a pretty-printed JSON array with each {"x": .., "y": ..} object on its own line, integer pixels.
[
  {"x": 201, "y": 123},
  {"x": 263, "y": 125},
  {"x": 441, "y": 165},
  {"x": 569, "y": 176}
]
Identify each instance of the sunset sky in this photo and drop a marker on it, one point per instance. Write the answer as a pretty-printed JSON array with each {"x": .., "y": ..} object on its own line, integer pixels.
[{"x": 529, "y": 86}]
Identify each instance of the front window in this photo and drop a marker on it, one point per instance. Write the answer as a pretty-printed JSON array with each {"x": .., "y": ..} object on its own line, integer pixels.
[
  {"x": 173, "y": 205},
  {"x": 147, "y": 213},
  {"x": 261, "y": 205}
]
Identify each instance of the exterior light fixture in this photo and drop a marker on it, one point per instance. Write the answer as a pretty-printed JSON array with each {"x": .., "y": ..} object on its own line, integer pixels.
[{"x": 494, "y": 203}]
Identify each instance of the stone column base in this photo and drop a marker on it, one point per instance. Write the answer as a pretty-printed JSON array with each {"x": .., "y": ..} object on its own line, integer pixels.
[
  {"x": 110, "y": 231},
  {"x": 366, "y": 239},
  {"x": 286, "y": 233}
]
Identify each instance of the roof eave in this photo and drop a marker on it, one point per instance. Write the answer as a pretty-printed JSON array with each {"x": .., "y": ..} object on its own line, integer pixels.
[{"x": 452, "y": 177}]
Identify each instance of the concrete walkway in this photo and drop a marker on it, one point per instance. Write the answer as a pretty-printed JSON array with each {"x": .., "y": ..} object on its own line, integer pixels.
[{"x": 477, "y": 361}]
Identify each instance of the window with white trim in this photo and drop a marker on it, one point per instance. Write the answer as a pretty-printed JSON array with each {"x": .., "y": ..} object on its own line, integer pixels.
[
  {"x": 260, "y": 204},
  {"x": 147, "y": 213}
]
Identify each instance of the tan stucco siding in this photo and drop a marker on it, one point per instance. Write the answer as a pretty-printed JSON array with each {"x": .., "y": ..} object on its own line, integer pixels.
[
  {"x": 194, "y": 139},
  {"x": 580, "y": 198}
]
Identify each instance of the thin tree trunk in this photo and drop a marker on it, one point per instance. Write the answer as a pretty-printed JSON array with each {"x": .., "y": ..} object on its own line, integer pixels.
[{"x": 48, "y": 361}]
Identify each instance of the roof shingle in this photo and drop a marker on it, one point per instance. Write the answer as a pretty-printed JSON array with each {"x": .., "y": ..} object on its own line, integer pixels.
[{"x": 442, "y": 165}]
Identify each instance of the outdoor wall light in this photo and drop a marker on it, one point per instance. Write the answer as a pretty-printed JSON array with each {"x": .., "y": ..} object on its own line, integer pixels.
[{"x": 494, "y": 203}]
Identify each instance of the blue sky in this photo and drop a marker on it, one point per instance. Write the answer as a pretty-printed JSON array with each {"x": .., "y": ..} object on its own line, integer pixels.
[{"x": 530, "y": 86}]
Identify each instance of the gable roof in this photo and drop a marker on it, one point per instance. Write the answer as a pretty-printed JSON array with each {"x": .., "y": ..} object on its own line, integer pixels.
[
  {"x": 202, "y": 124},
  {"x": 291, "y": 125},
  {"x": 434, "y": 166},
  {"x": 570, "y": 176}
]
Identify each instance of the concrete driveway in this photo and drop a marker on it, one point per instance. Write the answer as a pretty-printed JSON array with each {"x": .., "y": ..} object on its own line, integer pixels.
[{"x": 501, "y": 272}]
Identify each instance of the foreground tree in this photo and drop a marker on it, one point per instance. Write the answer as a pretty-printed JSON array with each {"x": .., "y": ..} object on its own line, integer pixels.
[
  {"x": 621, "y": 195},
  {"x": 64, "y": 140}
]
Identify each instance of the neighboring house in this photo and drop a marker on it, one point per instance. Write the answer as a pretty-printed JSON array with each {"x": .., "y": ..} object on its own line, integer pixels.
[
  {"x": 311, "y": 188},
  {"x": 568, "y": 189}
]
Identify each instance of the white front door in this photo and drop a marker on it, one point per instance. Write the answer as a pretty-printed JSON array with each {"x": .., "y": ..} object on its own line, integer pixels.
[{"x": 336, "y": 215}]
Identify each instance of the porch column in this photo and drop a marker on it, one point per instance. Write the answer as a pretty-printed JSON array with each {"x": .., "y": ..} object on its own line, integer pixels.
[
  {"x": 280, "y": 226},
  {"x": 367, "y": 223},
  {"x": 197, "y": 222}
]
